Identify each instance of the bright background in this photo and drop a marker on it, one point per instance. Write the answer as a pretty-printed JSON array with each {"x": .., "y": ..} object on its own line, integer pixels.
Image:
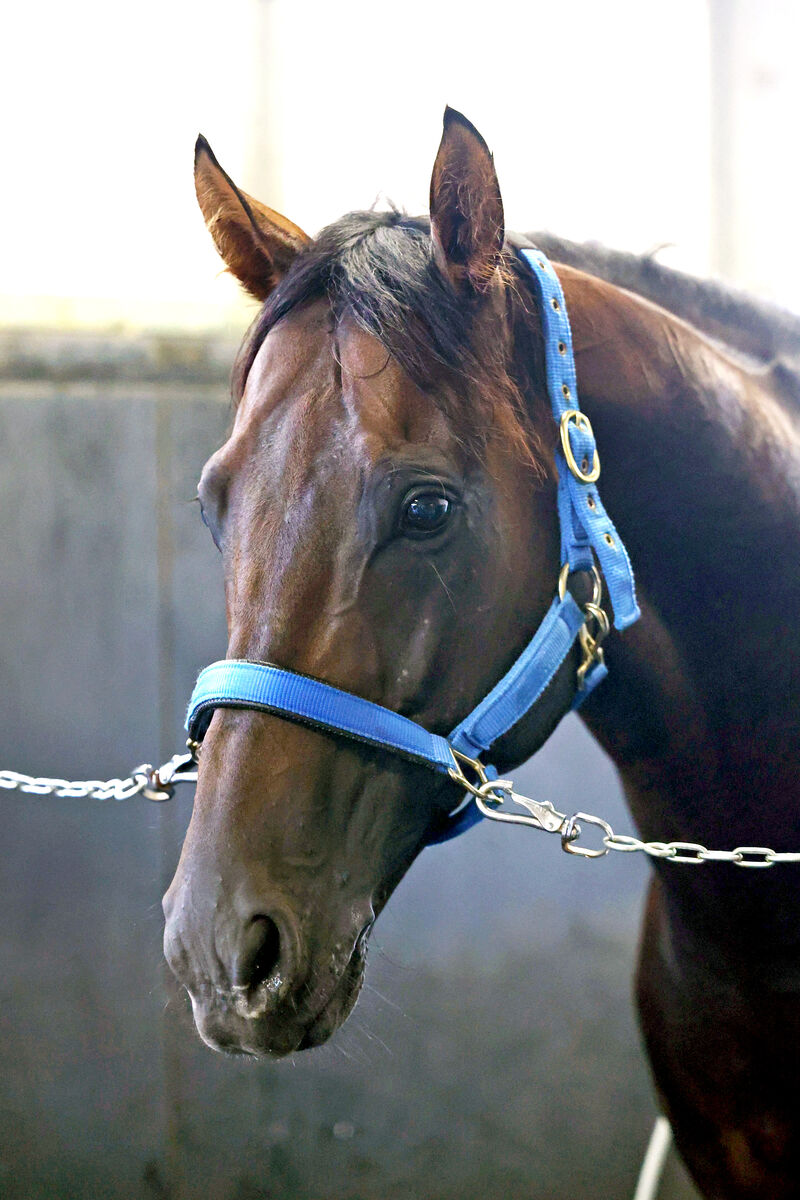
[{"x": 635, "y": 124}]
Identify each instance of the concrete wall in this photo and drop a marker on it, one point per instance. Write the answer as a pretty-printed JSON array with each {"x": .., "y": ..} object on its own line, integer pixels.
[{"x": 494, "y": 1051}]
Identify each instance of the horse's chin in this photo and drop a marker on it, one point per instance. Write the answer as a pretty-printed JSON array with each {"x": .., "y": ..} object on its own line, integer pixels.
[
  {"x": 337, "y": 1010},
  {"x": 281, "y": 1032}
]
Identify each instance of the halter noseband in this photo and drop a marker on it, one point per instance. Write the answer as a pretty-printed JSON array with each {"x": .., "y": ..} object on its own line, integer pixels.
[{"x": 586, "y": 531}]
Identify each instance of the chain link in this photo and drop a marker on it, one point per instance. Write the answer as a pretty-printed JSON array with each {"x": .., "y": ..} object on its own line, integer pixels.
[
  {"x": 151, "y": 782},
  {"x": 490, "y": 793},
  {"x": 754, "y": 857}
]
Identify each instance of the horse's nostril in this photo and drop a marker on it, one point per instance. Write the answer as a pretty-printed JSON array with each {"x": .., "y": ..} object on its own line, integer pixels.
[{"x": 259, "y": 953}]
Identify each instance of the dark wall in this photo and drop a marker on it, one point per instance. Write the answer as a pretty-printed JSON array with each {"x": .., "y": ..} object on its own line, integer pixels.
[{"x": 494, "y": 1051}]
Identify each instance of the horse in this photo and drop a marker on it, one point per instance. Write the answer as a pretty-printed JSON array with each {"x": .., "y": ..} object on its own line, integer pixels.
[{"x": 385, "y": 508}]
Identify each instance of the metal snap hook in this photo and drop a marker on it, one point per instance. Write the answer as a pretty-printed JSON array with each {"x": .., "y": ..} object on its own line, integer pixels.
[{"x": 155, "y": 788}]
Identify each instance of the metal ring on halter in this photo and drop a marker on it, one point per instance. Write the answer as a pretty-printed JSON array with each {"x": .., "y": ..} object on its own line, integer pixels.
[
  {"x": 580, "y": 419},
  {"x": 456, "y": 773},
  {"x": 597, "y": 584}
]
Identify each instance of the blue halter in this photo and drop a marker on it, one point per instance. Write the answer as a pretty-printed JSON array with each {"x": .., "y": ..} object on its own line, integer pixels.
[{"x": 586, "y": 532}]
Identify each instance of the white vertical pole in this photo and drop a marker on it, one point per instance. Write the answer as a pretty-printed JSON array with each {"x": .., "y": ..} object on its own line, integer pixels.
[
  {"x": 755, "y": 91},
  {"x": 654, "y": 1161},
  {"x": 723, "y": 17},
  {"x": 264, "y": 166}
]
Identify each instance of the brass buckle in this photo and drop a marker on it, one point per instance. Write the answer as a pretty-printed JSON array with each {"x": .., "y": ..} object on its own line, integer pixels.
[{"x": 582, "y": 421}]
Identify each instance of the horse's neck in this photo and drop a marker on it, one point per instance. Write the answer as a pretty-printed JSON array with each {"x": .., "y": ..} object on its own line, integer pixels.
[
  {"x": 755, "y": 328},
  {"x": 701, "y": 475}
]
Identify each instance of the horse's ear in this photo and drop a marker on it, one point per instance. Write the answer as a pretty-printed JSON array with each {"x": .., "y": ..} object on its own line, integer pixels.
[
  {"x": 467, "y": 224},
  {"x": 257, "y": 244}
]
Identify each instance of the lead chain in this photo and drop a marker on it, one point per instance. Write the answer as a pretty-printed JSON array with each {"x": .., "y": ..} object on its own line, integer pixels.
[
  {"x": 95, "y": 789},
  {"x": 691, "y": 852},
  {"x": 490, "y": 793},
  {"x": 151, "y": 782},
  {"x": 159, "y": 784}
]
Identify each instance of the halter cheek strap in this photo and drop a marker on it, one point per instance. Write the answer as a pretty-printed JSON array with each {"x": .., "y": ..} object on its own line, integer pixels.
[{"x": 586, "y": 531}]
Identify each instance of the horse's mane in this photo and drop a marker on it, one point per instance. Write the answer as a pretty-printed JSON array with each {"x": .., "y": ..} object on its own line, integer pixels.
[
  {"x": 377, "y": 268},
  {"x": 763, "y": 332}
]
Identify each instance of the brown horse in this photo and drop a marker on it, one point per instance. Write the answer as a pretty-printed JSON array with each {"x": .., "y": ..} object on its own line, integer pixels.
[{"x": 385, "y": 508}]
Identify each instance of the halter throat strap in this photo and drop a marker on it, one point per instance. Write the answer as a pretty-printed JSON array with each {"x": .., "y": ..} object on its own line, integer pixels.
[{"x": 587, "y": 536}]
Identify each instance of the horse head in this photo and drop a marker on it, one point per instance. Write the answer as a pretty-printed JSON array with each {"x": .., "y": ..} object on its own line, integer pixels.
[{"x": 385, "y": 510}]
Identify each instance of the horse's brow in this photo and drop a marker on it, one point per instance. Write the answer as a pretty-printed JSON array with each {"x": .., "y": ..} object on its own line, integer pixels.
[
  {"x": 398, "y": 468},
  {"x": 337, "y": 354},
  {"x": 248, "y": 351},
  {"x": 249, "y": 354}
]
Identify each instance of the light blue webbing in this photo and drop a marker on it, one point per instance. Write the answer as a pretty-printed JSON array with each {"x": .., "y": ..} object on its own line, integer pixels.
[
  {"x": 239, "y": 683},
  {"x": 585, "y": 528},
  {"x": 585, "y": 524}
]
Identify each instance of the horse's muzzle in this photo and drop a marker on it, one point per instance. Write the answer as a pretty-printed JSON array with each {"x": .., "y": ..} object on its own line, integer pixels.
[
  {"x": 261, "y": 988},
  {"x": 227, "y": 1024}
]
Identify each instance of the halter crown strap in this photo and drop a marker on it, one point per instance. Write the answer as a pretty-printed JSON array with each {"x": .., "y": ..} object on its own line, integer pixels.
[
  {"x": 585, "y": 524},
  {"x": 586, "y": 531}
]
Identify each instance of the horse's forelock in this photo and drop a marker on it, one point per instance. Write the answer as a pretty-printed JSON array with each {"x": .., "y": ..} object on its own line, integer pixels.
[{"x": 378, "y": 269}]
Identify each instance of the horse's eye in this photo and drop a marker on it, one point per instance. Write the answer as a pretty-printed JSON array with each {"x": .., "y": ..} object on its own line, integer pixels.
[{"x": 425, "y": 513}]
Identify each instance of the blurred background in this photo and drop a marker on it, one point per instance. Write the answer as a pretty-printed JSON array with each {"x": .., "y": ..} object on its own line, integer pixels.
[{"x": 494, "y": 1052}]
